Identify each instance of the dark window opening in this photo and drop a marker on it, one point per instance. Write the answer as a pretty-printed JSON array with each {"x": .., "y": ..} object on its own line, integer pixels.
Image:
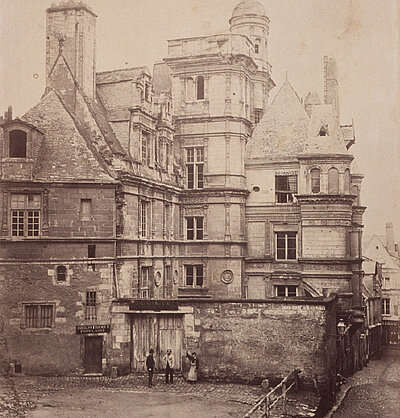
[
  {"x": 315, "y": 180},
  {"x": 200, "y": 88},
  {"x": 285, "y": 188},
  {"x": 286, "y": 291},
  {"x": 18, "y": 144},
  {"x": 256, "y": 48},
  {"x": 324, "y": 130},
  {"x": 91, "y": 251},
  {"x": 61, "y": 273},
  {"x": 258, "y": 113}
]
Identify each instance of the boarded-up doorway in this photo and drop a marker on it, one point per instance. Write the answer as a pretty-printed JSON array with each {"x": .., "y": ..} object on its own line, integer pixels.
[
  {"x": 158, "y": 332},
  {"x": 93, "y": 354}
]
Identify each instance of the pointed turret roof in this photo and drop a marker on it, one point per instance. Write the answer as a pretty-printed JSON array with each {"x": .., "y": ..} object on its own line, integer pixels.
[{"x": 282, "y": 131}]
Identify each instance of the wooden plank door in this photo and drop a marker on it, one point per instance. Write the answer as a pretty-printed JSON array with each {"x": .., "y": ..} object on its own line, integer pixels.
[{"x": 93, "y": 354}]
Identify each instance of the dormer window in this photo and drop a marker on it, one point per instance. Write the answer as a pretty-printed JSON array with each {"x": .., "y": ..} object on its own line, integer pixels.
[
  {"x": 257, "y": 49},
  {"x": 324, "y": 130},
  {"x": 17, "y": 144}
]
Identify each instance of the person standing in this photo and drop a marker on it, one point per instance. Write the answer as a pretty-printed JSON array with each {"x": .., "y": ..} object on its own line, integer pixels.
[
  {"x": 150, "y": 366},
  {"x": 194, "y": 367},
  {"x": 169, "y": 366}
]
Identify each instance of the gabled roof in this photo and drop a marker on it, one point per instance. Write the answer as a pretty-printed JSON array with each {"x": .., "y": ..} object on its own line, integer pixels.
[
  {"x": 65, "y": 154},
  {"x": 282, "y": 130},
  {"x": 375, "y": 249}
]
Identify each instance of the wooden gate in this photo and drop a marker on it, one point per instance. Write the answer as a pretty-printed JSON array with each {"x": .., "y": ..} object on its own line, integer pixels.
[
  {"x": 93, "y": 354},
  {"x": 158, "y": 332}
]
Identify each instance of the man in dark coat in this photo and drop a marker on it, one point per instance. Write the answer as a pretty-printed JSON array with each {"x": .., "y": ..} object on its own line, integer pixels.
[{"x": 150, "y": 366}]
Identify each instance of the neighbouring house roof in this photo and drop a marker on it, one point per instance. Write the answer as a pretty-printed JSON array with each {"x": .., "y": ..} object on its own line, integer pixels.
[
  {"x": 375, "y": 249},
  {"x": 65, "y": 154}
]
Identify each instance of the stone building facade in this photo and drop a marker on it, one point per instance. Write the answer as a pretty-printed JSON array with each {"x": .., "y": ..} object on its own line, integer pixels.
[{"x": 136, "y": 206}]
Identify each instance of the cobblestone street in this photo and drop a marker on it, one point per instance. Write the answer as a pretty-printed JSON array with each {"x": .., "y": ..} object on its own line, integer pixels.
[
  {"x": 130, "y": 397},
  {"x": 373, "y": 391}
]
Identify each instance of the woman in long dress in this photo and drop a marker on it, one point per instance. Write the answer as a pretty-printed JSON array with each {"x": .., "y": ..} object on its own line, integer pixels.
[{"x": 194, "y": 367}]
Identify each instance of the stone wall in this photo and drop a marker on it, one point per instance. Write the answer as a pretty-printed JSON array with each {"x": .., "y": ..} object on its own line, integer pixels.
[{"x": 253, "y": 340}]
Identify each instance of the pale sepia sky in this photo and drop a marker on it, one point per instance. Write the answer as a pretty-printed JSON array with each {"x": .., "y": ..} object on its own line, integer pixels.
[{"x": 361, "y": 34}]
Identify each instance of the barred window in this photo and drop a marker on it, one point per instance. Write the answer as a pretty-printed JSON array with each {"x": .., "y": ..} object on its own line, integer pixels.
[
  {"x": 91, "y": 305},
  {"x": 38, "y": 315},
  {"x": 146, "y": 147},
  {"x": 25, "y": 215}
]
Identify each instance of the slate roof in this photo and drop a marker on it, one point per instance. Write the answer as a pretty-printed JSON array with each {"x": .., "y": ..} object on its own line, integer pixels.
[
  {"x": 283, "y": 130},
  {"x": 161, "y": 78},
  {"x": 65, "y": 154},
  {"x": 124, "y": 74}
]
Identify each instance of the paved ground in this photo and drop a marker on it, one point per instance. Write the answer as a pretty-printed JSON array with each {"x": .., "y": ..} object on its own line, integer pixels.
[
  {"x": 130, "y": 397},
  {"x": 373, "y": 391}
]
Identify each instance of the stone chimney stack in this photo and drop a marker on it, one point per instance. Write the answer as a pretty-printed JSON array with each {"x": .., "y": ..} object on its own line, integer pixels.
[
  {"x": 331, "y": 87},
  {"x": 390, "y": 238},
  {"x": 71, "y": 33}
]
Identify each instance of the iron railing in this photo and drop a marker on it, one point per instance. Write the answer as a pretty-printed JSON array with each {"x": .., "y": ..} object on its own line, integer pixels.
[{"x": 267, "y": 402}]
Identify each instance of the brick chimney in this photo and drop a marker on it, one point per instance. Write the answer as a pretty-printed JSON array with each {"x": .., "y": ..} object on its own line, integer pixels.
[{"x": 390, "y": 238}]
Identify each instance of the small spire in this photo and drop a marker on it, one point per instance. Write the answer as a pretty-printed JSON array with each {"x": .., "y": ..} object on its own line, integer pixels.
[{"x": 286, "y": 75}]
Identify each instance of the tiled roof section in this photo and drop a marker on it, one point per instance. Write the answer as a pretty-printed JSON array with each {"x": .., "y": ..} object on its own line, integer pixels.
[
  {"x": 282, "y": 131},
  {"x": 161, "y": 78},
  {"x": 99, "y": 113},
  {"x": 124, "y": 74},
  {"x": 332, "y": 143},
  {"x": 65, "y": 155}
]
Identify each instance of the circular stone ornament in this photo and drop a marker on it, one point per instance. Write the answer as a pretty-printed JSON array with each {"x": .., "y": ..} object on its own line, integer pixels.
[{"x": 227, "y": 276}]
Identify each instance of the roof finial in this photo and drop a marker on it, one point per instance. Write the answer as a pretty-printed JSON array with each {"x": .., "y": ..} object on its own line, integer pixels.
[
  {"x": 286, "y": 75},
  {"x": 61, "y": 40}
]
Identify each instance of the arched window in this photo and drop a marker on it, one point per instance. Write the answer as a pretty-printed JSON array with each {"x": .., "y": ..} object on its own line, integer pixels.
[
  {"x": 347, "y": 181},
  {"x": 61, "y": 273},
  {"x": 333, "y": 181},
  {"x": 315, "y": 180},
  {"x": 200, "y": 88},
  {"x": 18, "y": 144},
  {"x": 189, "y": 88},
  {"x": 356, "y": 192}
]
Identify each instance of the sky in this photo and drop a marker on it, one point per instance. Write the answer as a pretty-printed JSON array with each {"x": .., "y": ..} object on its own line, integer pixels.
[{"x": 362, "y": 35}]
